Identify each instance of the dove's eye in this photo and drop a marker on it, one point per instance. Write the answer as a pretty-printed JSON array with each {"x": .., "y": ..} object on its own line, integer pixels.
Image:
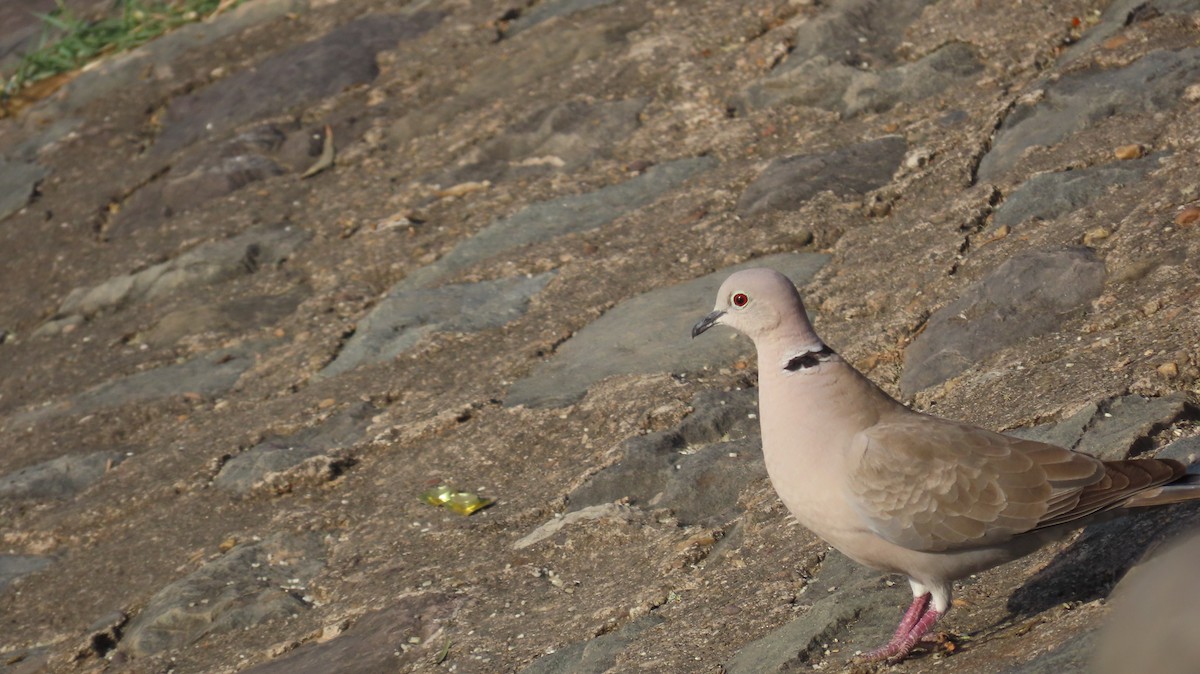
[{"x": 740, "y": 299}]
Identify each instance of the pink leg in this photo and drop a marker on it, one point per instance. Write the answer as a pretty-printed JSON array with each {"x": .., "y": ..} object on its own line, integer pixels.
[
  {"x": 916, "y": 623},
  {"x": 915, "y": 610}
]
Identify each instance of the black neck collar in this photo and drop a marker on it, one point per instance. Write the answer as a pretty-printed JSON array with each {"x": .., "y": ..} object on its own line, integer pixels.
[{"x": 809, "y": 359}]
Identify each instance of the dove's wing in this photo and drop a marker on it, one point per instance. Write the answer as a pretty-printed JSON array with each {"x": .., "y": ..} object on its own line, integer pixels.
[{"x": 934, "y": 485}]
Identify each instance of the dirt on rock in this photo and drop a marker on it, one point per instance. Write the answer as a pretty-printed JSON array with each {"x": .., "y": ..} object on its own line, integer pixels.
[{"x": 226, "y": 380}]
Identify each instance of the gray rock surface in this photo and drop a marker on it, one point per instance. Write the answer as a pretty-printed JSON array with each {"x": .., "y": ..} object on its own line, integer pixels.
[
  {"x": 230, "y": 317},
  {"x": 306, "y": 73},
  {"x": 1066, "y": 432},
  {"x": 846, "y": 60},
  {"x": 847, "y": 602},
  {"x": 205, "y": 264},
  {"x": 200, "y": 176},
  {"x": 249, "y": 585},
  {"x": 595, "y": 656},
  {"x": 1124, "y": 425},
  {"x": 591, "y": 513},
  {"x": 790, "y": 181},
  {"x": 58, "y": 478},
  {"x": 25, "y": 660},
  {"x": 537, "y": 60},
  {"x": 207, "y": 375},
  {"x": 856, "y": 32},
  {"x": 17, "y": 182},
  {"x": 1049, "y": 195},
  {"x": 545, "y": 220},
  {"x": 409, "y": 631},
  {"x": 846, "y": 87},
  {"x": 406, "y": 316},
  {"x": 1073, "y": 656},
  {"x": 620, "y": 343},
  {"x": 1186, "y": 450},
  {"x": 241, "y": 473},
  {"x": 1028, "y": 295},
  {"x": 1116, "y": 428},
  {"x": 552, "y": 9},
  {"x": 1077, "y": 100},
  {"x": 13, "y": 567},
  {"x": 696, "y": 469},
  {"x": 560, "y": 137}
]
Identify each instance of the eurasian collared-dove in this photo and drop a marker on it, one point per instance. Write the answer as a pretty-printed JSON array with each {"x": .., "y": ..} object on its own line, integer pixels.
[{"x": 904, "y": 492}]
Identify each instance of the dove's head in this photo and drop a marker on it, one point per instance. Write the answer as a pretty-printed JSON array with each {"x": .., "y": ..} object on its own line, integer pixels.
[{"x": 762, "y": 304}]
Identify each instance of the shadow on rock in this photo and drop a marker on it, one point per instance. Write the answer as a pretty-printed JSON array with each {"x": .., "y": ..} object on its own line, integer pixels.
[{"x": 1092, "y": 565}]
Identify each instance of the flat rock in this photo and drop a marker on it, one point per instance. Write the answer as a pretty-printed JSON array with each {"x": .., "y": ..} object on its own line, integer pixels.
[
  {"x": 25, "y": 661},
  {"x": 1027, "y": 295},
  {"x": 541, "y": 55},
  {"x": 847, "y": 88},
  {"x": 249, "y": 585},
  {"x": 565, "y": 215},
  {"x": 1124, "y": 425},
  {"x": 849, "y": 603},
  {"x": 1049, "y": 195},
  {"x": 696, "y": 469},
  {"x": 846, "y": 60},
  {"x": 239, "y": 315},
  {"x": 17, "y": 182},
  {"x": 205, "y": 264},
  {"x": 1074, "y": 656},
  {"x": 788, "y": 182},
  {"x": 200, "y": 175},
  {"x": 861, "y": 33},
  {"x": 1186, "y": 450},
  {"x": 1151, "y": 84},
  {"x": 304, "y": 74},
  {"x": 58, "y": 478},
  {"x": 1117, "y": 428},
  {"x": 559, "y": 137},
  {"x": 210, "y": 374},
  {"x": 372, "y": 645},
  {"x": 241, "y": 473},
  {"x": 553, "y": 9},
  {"x": 405, "y": 317},
  {"x": 1065, "y": 432},
  {"x": 600, "y": 511},
  {"x": 1116, "y": 17},
  {"x": 594, "y": 656},
  {"x": 13, "y": 567},
  {"x": 620, "y": 343}
]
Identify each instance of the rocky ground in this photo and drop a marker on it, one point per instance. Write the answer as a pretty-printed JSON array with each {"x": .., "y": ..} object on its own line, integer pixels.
[{"x": 231, "y": 366}]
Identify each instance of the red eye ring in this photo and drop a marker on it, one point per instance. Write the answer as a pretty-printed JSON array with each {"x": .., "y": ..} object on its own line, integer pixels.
[{"x": 740, "y": 299}]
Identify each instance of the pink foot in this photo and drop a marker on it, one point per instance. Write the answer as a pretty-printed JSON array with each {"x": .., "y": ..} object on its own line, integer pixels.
[{"x": 916, "y": 622}]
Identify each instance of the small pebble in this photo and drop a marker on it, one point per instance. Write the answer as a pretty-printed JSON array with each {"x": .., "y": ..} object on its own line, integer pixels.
[
  {"x": 1098, "y": 234},
  {"x": 1169, "y": 370},
  {"x": 1132, "y": 151},
  {"x": 1188, "y": 216}
]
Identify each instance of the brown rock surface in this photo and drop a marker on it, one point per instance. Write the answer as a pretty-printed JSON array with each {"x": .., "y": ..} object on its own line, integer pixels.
[{"x": 532, "y": 109}]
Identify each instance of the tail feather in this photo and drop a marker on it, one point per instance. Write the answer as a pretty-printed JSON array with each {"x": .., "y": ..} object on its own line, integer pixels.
[{"x": 1186, "y": 488}]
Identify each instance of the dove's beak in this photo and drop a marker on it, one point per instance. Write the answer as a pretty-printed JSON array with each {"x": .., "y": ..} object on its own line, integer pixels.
[{"x": 707, "y": 322}]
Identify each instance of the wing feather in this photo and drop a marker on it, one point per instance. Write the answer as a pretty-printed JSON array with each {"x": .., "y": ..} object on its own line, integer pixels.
[{"x": 936, "y": 485}]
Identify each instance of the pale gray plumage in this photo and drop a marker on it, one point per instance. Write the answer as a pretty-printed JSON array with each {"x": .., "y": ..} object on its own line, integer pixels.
[{"x": 903, "y": 492}]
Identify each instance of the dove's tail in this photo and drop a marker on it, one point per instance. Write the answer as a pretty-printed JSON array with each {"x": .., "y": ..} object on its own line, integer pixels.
[{"x": 1185, "y": 488}]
